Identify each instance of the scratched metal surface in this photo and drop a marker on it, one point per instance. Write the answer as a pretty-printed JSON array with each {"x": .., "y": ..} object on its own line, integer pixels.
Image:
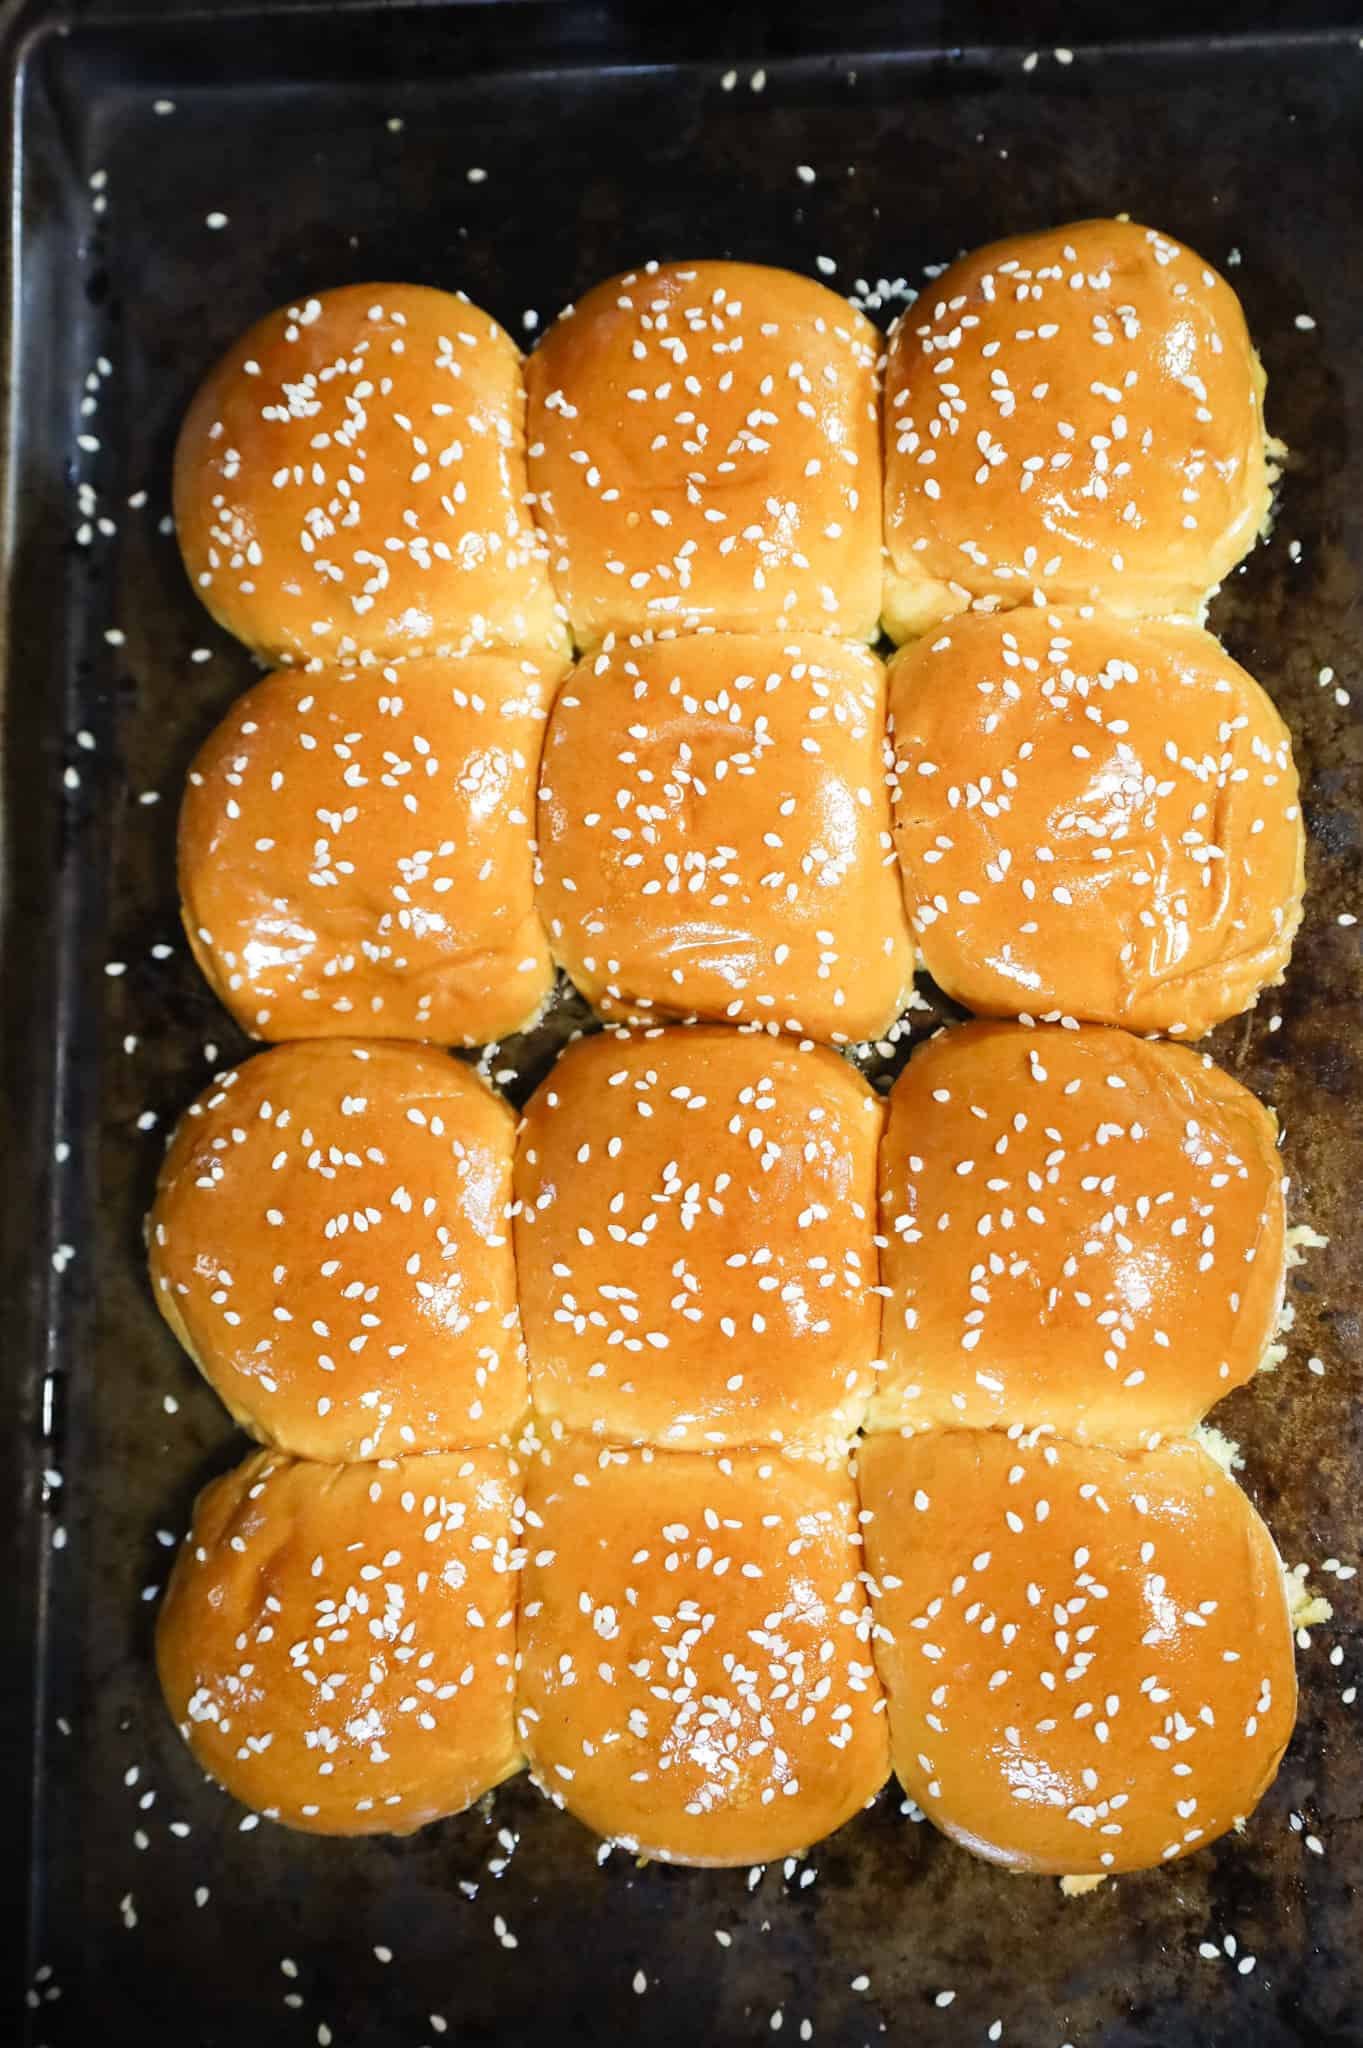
[{"x": 601, "y": 147}]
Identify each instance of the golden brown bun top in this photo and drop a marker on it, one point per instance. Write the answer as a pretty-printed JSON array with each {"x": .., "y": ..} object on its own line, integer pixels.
[
  {"x": 1081, "y": 1228},
  {"x": 331, "y": 1241},
  {"x": 1077, "y": 411},
  {"x": 704, "y": 449},
  {"x": 356, "y": 851},
  {"x": 337, "y": 1643},
  {"x": 696, "y": 1677},
  {"x": 1095, "y": 817},
  {"x": 350, "y": 482},
  {"x": 1088, "y": 1657},
  {"x": 694, "y": 1239},
  {"x": 714, "y": 835}
]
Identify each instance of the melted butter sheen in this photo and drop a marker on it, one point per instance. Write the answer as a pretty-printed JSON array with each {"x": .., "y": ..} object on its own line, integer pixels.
[
  {"x": 355, "y": 851},
  {"x": 338, "y": 1643},
  {"x": 1090, "y": 1662},
  {"x": 1081, "y": 1229},
  {"x": 331, "y": 1235},
  {"x": 1094, "y": 818}
]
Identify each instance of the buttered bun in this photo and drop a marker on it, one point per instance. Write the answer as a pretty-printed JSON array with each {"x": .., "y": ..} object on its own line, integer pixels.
[
  {"x": 1076, "y": 413},
  {"x": 695, "y": 1215},
  {"x": 1079, "y": 1228},
  {"x": 1095, "y": 817},
  {"x": 356, "y": 851},
  {"x": 696, "y": 1680},
  {"x": 1088, "y": 1658},
  {"x": 704, "y": 451},
  {"x": 714, "y": 835},
  {"x": 337, "y": 1643},
  {"x": 350, "y": 483},
  {"x": 331, "y": 1243},
  {"x": 718, "y": 1436}
]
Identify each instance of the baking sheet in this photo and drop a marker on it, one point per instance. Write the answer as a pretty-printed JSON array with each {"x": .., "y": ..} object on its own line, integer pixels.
[{"x": 338, "y": 143}]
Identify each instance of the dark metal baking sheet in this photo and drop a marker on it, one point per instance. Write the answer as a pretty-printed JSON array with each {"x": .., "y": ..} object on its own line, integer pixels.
[{"x": 337, "y": 142}]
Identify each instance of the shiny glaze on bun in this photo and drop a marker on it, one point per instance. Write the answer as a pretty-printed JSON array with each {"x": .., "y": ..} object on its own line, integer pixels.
[
  {"x": 714, "y": 835},
  {"x": 705, "y": 452},
  {"x": 1077, "y": 413},
  {"x": 1088, "y": 1657},
  {"x": 1078, "y": 1228},
  {"x": 1096, "y": 818},
  {"x": 695, "y": 1218},
  {"x": 350, "y": 483},
  {"x": 331, "y": 1242},
  {"x": 356, "y": 851},
  {"x": 337, "y": 1643}
]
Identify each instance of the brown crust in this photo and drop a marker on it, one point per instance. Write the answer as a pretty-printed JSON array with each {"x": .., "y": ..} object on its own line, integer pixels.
[
  {"x": 396, "y": 1583},
  {"x": 356, "y": 851},
  {"x": 311, "y": 522},
  {"x": 1088, "y": 1657},
  {"x": 704, "y": 452},
  {"x": 331, "y": 1240},
  {"x": 714, "y": 835},
  {"x": 1077, "y": 412},
  {"x": 696, "y": 1677},
  {"x": 1095, "y": 817},
  {"x": 695, "y": 1217},
  {"x": 1080, "y": 1228}
]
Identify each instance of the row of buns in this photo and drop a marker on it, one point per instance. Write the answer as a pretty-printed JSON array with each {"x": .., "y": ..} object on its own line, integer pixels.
[
  {"x": 1074, "y": 414},
  {"x": 1060, "y": 813},
  {"x": 1075, "y": 1661},
  {"x": 704, "y": 1238}
]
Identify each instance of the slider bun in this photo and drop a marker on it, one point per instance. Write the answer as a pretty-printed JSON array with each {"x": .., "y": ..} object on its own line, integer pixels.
[
  {"x": 1080, "y": 1228},
  {"x": 331, "y": 1243},
  {"x": 694, "y": 1239},
  {"x": 695, "y": 1675},
  {"x": 350, "y": 482},
  {"x": 1078, "y": 412},
  {"x": 1088, "y": 1657},
  {"x": 1096, "y": 818},
  {"x": 337, "y": 1643},
  {"x": 356, "y": 854},
  {"x": 714, "y": 835},
  {"x": 705, "y": 451}
]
